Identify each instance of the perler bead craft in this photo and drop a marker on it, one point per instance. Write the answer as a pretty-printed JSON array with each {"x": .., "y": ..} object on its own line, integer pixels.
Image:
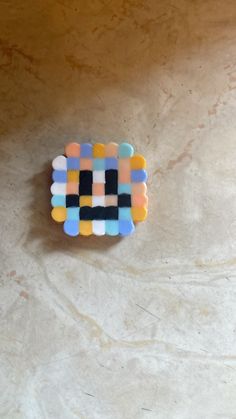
[{"x": 99, "y": 189}]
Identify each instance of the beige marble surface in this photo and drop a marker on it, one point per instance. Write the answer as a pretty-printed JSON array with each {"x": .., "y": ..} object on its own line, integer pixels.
[{"x": 142, "y": 327}]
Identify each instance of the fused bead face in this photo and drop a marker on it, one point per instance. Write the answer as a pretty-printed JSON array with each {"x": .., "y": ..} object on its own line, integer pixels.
[{"x": 99, "y": 189}]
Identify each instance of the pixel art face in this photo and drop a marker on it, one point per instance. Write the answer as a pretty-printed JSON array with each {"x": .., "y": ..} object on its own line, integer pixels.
[{"x": 99, "y": 189}]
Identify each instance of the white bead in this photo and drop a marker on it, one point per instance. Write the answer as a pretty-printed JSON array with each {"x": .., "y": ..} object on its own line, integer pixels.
[
  {"x": 99, "y": 176},
  {"x": 58, "y": 188},
  {"x": 98, "y": 201},
  {"x": 60, "y": 163},
  {"x": 98, "y": 227}
]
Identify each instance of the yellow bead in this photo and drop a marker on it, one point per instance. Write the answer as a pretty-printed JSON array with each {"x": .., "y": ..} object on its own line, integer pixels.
[
  {"x": 99, "y": 150},
  {"x": 59, "y": 214},
  {"x": 73, "y": 176},
  {"x": 139, "y": 214},
  {"x": 85, "y": 228},
  {"x": 85, "y": 201},
  {"x": 137, "y": 162}
]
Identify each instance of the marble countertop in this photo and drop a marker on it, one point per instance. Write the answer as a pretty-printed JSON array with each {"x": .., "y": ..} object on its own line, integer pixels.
[{"x": 134, "y": 328}]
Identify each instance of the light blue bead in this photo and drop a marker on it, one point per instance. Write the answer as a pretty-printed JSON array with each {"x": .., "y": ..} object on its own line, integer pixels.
[
  {"x": 86, "y": 150},
  {"x": 73, "y": 213},
  {"x": 111, "y": 163},
  {"x": 112, "y": 228},
  {"x": 126, "y": 150},
  {"x": 59, "y": 176},
  {"x": 98, "y": 164},
  {"x": 73, "y": 163},
  {"x": 58, "y": 201},
  {"x": 126, "y": 227},
  {"x": 125, "y": 213},
  {"x": 124, "y": 188},
  {"x": 71, "y": 227},
  {"x": 138, "y": 176}
]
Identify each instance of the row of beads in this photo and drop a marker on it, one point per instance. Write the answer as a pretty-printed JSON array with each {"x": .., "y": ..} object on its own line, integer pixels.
[
  {"x": 135, "y": 176},
  {"x": 98, "y": 189},
  {"x": 61, "y": 214},
  {"x": 99, "y": 150},
  {"x": 103, "y": 200},
  {"x": 75, "y": 163},
  {"x": 99, "y": 228}
]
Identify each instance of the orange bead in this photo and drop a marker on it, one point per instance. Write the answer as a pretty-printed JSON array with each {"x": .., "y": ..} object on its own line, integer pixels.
[
  {"x": 139, "y": 214},
  {"x": 85, "y": 228},
  {"x": 99, "y": 150},
  {"x": 85, "y": 201},
  {"x": 59, "y": 214},
  {"x": 72, "y": 150},
  {"x": 73, "y": 176},
  {"x": 137, "y": 162}
]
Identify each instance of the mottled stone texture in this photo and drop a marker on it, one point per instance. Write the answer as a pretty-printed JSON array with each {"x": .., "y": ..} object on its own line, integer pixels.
[{"x": 103, "y": 328}]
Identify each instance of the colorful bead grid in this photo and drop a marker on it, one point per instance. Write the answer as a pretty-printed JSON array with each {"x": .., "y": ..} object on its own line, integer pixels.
[{"x": 99, "y": 189}]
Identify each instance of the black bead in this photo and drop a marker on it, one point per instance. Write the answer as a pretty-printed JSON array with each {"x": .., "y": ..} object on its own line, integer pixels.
[
  {"x": 72, "y": 201},
  {"x": 111, "y": 213},
  {"x": 86, "y": 213},
  {"x": 98, "y": 213},
  {"x": 85, "y": 182},
  {"x": 124, "y": 200},
  {"x": 111, "y": 182}
]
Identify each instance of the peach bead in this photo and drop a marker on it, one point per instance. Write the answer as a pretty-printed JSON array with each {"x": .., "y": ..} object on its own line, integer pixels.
[
  {"x": 72, "y": 150},
  {"x": 124, "y": 164},
  {"x": 85, "y": 164},
  {"x": 139, "y": 188},
  {"x": 139, "y": 200},
  {"x": 98, "y": 189},
  {"x": 111, "y": 150},
  {"x": 72, "y": 188},
  {"x": 111, "y": 200},
  {"x": 124, "y": 170},
  {"x": 124, "y": 176}
]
